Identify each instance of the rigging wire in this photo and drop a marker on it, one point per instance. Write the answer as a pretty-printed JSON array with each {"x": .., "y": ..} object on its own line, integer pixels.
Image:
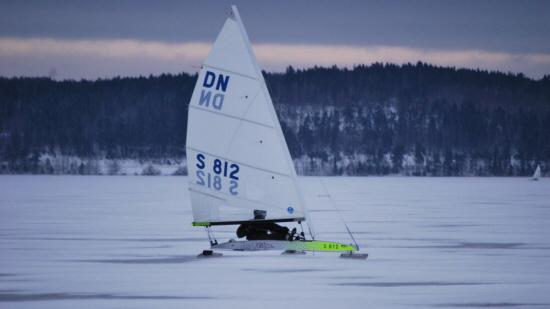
[
  {"x": 339, "y": 213},
  {"x": 309, "y": 226},
  {"x": 211, "y": 237}
]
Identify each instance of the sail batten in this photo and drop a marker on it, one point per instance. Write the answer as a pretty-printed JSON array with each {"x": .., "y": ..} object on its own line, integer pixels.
[{"x": 237, "y": 157}]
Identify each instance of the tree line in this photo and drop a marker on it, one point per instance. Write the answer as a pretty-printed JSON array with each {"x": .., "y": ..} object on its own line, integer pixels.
[{"x": 413, "y": 119}]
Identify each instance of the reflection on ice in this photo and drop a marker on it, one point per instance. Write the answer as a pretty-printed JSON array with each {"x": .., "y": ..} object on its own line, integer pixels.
[
  {"x": 407, "y": 284},
  {"x": 490, "y": 305},
  {"x": 20, "y": 297},
  {"x": 179, "y": 240},
  {"x": 287, "y": 270},
  {"x": 159, "y": 260}
]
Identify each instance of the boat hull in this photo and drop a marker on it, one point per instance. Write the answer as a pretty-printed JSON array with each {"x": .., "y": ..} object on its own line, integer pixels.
[{"x": 298, "y": 245}]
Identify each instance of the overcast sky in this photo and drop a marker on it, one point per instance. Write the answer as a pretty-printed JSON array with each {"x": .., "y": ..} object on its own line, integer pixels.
[{"x": 90, "y": 39}]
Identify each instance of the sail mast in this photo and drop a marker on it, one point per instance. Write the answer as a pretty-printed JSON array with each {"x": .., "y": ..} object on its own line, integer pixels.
[{"x": 279, "y": 130}]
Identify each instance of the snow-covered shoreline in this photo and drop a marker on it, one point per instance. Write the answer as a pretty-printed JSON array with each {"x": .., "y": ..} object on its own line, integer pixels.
[{"x": 340, "y": 165}]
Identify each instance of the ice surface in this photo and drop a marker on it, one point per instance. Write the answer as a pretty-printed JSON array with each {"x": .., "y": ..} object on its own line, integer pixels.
[{"x": 127, "y": 242}]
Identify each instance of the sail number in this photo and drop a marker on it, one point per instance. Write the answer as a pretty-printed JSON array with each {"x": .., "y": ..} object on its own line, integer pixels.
[
  {"x": 213, "y": 98},
  {"x": 219, "y": 173}
]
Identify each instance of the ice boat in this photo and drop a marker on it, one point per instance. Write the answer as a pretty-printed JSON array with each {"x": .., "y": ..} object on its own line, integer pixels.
[
  {"x": 238, "y": 159},
  {"x": 536, "y": 174}
]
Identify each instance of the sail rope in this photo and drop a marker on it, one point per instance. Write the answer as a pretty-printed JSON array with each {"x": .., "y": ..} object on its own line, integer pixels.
[{"x": 339, "y": 213}]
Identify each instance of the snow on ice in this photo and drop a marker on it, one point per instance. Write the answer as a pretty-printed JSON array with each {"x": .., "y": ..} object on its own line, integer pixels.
[{"x": 127, "y": 242}]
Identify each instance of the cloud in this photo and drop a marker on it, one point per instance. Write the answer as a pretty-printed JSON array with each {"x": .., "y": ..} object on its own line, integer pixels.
[
  {"x": 103, "y": 48},
  {"x": 309, "y": 55},
  {"x": 106, "y": 58}
]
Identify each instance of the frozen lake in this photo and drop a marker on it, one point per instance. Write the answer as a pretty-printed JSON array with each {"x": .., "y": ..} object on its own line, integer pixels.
[{"x": 127, "y": 242}]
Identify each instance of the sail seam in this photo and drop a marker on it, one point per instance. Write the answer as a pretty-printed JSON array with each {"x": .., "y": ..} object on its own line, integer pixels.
[
  {"x": 231, "y": 116},
  {"x": 228, "y": 71}
]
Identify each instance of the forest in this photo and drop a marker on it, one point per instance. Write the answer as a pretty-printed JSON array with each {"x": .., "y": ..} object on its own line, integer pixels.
[{"x": 379, "y": 119}]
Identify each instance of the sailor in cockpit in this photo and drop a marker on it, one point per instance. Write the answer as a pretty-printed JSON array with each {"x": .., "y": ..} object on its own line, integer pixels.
[{"x": 264, "y": 230}]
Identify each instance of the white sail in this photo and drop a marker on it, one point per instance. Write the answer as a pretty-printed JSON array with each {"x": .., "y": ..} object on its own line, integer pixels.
[
  {"x": 238, "y": 160},
  {"x": 536, "y": 175}
]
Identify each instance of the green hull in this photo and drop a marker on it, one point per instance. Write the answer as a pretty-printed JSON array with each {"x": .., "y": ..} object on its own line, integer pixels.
[
  {"x": 319, "y": 245},
  {"x": 298, "y": 245}
]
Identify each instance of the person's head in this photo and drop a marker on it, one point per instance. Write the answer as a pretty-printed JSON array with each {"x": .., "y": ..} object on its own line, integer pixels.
[{"x": 259, "y": 214}]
